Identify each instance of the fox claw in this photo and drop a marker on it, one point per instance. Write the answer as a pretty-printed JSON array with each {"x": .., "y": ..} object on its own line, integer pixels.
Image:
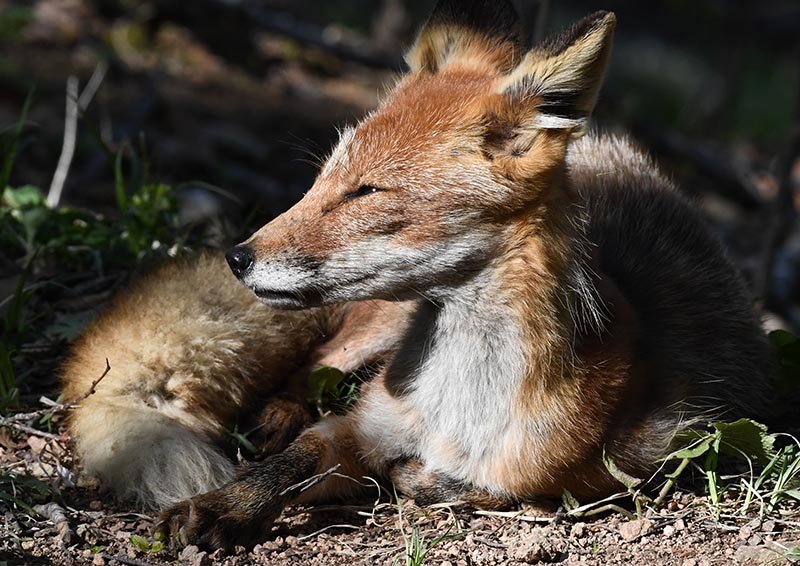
[{"x": 210, "y": 521}]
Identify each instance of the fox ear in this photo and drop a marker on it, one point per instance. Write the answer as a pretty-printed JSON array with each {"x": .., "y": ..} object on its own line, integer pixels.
[
  {"x": 555, "y": 86},
  {"x": 476, "y": 33}
]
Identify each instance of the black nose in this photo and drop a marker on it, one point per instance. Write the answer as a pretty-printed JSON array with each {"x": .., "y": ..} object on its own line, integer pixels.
[{"x": 240, "y": 259}]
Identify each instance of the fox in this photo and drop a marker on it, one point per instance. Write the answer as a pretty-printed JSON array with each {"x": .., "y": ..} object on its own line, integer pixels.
[{"x": 533, "y": 297}]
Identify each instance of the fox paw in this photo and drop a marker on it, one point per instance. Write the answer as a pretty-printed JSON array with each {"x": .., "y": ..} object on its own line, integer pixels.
[
  {"x": 212, "y": 520},
  {"x": 279, "y": 423}
]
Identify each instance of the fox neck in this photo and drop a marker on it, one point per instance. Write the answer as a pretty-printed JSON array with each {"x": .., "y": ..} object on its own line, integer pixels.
[
  {"x": 540, "y": 282},
  {"x": 507, "y": 327},
  {"x": 542, "y": 276}
]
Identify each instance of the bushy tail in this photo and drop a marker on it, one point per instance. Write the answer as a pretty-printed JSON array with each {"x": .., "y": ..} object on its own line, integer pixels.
[
  {"x": 146, "y": 456},
  {"x": 192, "y": 353}
]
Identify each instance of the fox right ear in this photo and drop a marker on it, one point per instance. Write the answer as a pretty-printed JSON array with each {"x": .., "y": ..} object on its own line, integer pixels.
[
  {"x": 557, "y": 83},
  {"x": 476, "y": 33}
]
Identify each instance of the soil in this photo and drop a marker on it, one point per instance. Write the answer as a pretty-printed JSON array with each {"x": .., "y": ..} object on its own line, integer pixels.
[{"x": 83, "y": 525}]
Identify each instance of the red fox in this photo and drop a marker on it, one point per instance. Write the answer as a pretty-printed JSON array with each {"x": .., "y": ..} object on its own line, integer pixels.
[{"x": 533, "y": 296}]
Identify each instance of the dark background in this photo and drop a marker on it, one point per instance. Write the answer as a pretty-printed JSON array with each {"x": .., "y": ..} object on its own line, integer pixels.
[{"x": 236, "y": 101}]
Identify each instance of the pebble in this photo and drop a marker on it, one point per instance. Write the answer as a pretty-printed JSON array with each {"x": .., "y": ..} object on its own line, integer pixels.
[
  {"x": 745, "y": 533},
  {"x": 578, "y": 530},
  {"x": 632, "y": 530}
]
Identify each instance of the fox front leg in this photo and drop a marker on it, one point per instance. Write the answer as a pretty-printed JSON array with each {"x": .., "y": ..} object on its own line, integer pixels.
[{"x": 242, "y": 511}]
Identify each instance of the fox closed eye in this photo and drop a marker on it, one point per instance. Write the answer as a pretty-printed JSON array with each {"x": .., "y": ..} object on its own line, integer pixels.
[{"x": 362, "y": 191}]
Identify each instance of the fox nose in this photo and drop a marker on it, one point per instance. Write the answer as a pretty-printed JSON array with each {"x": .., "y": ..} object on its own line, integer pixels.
[{"x": 240, "y": 259}]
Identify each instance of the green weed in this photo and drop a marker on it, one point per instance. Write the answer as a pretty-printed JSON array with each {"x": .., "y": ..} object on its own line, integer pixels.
[
  {"x": 150, "y": 547},
  {"x": 417, "y": 545},
  {"x": 331, "y": 391}
]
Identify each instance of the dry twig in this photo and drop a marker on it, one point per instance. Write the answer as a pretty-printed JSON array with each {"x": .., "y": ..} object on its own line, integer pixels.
[{"x": 19, "y": 420}]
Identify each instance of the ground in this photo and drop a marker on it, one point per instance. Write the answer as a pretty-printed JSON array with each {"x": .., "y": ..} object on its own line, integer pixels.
[{"x": 85, "y": 526}]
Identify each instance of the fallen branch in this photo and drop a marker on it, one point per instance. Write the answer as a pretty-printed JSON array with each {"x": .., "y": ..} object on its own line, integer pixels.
[
  {"x": 58, "y": 516},
  {"x": 19, "y": 421}
]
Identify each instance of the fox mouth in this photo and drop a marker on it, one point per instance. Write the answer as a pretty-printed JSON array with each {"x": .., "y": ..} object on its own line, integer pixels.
[{"x": 287, "y": 299}]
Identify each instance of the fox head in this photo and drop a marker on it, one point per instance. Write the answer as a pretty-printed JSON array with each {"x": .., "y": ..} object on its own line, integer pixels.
[{"x": 414, "y": 200}]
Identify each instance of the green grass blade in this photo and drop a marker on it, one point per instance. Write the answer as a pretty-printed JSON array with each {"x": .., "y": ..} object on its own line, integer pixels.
[{"x": 11, "y": 150}]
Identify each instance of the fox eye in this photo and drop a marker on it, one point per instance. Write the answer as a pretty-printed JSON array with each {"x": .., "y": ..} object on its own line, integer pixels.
[{"x": 362, "y": 191}]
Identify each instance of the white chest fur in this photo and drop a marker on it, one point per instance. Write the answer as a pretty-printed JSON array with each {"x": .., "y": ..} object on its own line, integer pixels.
[{"x": 464, "y": 364}]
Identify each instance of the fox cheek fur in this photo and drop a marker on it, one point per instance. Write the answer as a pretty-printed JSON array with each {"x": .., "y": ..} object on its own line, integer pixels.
[{"x": 562, "y": 293}]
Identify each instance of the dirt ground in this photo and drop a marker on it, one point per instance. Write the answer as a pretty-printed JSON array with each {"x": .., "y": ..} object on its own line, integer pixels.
[{"x": 86, "y": 527}]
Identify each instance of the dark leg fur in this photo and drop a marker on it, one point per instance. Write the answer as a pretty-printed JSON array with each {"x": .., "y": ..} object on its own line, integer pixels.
[
  {"x": 280, "y": 422},
  {"x": 242, "y": 511},
  {"x": 425, "y": 487}
]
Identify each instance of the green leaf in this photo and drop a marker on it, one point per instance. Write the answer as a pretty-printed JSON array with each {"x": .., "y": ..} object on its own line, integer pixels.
[
  {"x": 622, "y": 477},
  {"x": 746, "y": 437},
  {"x": 23, "y": 197},
  {"x": 69, "y": 326},
  {"x": 787, "y": 356},
  {"x": 145, "y": 545},
  {"x": 568, "y": 501},
  {"x": 322, "y": 380},
  {"x": 243, "y": 441},
  {"x": 692, "y": 451},
  {"x": 781, "y": 338}
]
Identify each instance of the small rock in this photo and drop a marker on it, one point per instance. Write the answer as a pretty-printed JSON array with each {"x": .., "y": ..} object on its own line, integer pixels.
[
  {"x": 669, "y": 530},
  {"x": 632, "y": 530},
  {"x": 753, "y": 555},
  {"x": 745, "y": 533},
  {"x": 768, "y": 526},
  {"x": 689, "y": 562},
  {"x": 680, "y": 525},
  {"x": 96, "y": 505},
  {"x": 578, "y": 530},
  {"x": 37, "y": 444},
  {"x": 537, "y": 546},
  {"x": 201, "y": 559},
  {"x": 291, "y": 541},
  {"x": 188, "y": 553},
  {"x": 98, "y": 560}
]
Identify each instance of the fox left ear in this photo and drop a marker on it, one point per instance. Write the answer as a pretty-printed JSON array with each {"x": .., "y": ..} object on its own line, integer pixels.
[
  {"x": 483, "y": 34},
  {"x": 555, "y": 87}
]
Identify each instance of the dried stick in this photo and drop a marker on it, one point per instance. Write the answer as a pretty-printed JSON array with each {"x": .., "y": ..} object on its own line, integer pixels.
[
  {"x": 68, "y": 148},
  {"x": 75, "y": 106},
  {"x": 18, "y": 421}
]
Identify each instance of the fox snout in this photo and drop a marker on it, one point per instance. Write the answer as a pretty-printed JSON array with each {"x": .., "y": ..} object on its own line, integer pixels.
[{"x": 240, "y": 259}]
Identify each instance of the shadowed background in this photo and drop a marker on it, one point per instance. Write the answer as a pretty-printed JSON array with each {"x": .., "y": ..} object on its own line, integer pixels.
[{"x": 234, "y": 102}]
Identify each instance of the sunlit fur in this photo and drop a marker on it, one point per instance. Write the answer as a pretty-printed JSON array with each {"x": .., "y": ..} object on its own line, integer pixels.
[
  {"x": 535, "y": 346},
  {"x": 551, "y": 296}
]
